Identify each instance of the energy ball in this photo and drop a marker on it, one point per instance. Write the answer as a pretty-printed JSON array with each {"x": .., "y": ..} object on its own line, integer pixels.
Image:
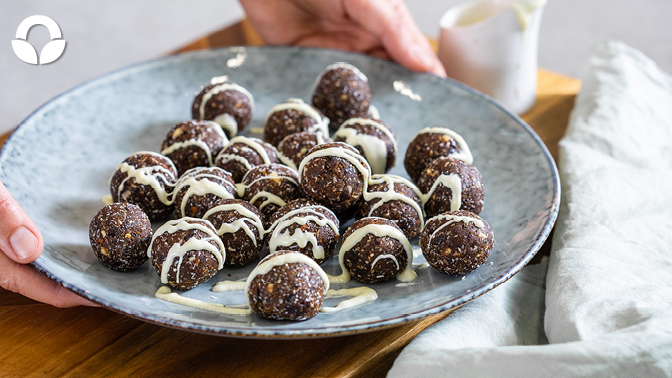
[
  {"x": 193, "y": 144},
  {"x": 186, "y": 252},
  {"x": 293, "y": 116},
  {"x": 226, "y": 103},
  {"x": 451, "y": 184},
  {"x": 456, "y": 242},
  {"x": 286, "y": 285},
  {"x": 373, "y": 139},
  {"x": 393, "y": 198},
  {"x": 270, "y": 186},
  {"x": 145, "y": 179},
  {"x": 375, "y": 250},
  {"x": 341, "y": 92},
  {"x": 432, "y": 143},
  {"x": 243, "y": 153},
  {"x": 241, "y": 229},
  {"x": 120, "y": 234},
  {"x": 198, "y": 190},
  {"x": 304, "y": 226},
  {"x": 294, "y": 147},
  {"x": 334, "y": 175}
]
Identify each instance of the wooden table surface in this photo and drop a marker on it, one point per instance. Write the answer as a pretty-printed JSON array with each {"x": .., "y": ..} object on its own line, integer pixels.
[{"x": 38, "y": 339}]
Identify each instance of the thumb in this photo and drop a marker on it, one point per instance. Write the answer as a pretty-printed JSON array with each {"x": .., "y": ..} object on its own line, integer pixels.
[
  {"x": 20, "y": 239},
  {"x": 393, "y": 24}
]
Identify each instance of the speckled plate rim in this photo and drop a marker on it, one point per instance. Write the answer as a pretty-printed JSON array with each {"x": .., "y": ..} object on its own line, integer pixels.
[{"x": 315, "y": 332}]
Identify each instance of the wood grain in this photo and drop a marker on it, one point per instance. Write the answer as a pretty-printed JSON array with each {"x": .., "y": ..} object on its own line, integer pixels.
[{"x": 40, "y": 340}]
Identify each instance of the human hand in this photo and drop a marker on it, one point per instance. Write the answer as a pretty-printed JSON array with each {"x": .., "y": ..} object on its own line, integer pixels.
[
  {"x": 382, "y": 28},
  {"x": 21, "y": 243}
]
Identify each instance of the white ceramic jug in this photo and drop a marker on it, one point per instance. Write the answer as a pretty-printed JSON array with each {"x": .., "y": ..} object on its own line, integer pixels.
[{"x": 491, "y": 45}]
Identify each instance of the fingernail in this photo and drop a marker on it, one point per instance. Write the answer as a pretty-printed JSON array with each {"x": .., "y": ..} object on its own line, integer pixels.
[
  {"x": 23, "y": 242},
  {"x": 426, "y": 60}
]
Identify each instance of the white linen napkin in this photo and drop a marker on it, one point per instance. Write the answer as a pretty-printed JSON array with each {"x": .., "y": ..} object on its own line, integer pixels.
[{"x": 608, "y": 294}]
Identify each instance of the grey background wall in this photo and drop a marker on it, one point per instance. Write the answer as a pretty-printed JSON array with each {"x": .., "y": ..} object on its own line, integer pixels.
[{"x": 105, "y": 35}]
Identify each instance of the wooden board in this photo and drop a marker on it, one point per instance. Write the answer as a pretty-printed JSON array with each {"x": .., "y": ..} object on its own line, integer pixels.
[{"x": 37, "y": 339}]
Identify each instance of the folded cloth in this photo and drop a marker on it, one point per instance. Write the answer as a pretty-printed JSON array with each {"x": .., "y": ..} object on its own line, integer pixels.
[{"x": 608, "y": 292}]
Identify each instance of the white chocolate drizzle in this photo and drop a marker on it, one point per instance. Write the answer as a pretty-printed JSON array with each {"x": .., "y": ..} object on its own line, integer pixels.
[
  {"x": 423, "y": 265},
  {"x": 241, "y": 223},
  {"x": 271, "y": 176},
  {"x": 343, "y": 152},
  {"x": 226, "y": 120},
  {"x": 164, "y": 293},
  {"x": 220, "y": 84},
  {"x": 286, "y": 160},
  {"x": 177, "y": 251},
  {"x": 281, "y": 236},
  {"x": 216, "y": 127},
  {"x": 375, "y": 149},
  {"x": 237, "y": 158},
  {"x": 385, "y": 256},
  {"x": 253, "y": 143},
  {"x": 464, "y": 154},
  {"x": 321, "y": 122},
  {"x": 107, "y": 200},
  {"x": 188, "y": 143},
  {"x": 360, "y": 295},
  {"x": 270, "y": 199},
  {"x": 373, "y": 112},
  {"x": 452, "y": 182},
  {"x": 391, "y": 195},
  {"x": 223, "y": 286},
  {"x": 378, "y": 230},
  {"x": 279, "y": 260},
  {"x": 219, "y": 130},
  {"x": 405, "y": 90},
  {"x": 148, "y": 176},
  {"x": 452, "y": 219},
  {"x": 201, "y": 183}
]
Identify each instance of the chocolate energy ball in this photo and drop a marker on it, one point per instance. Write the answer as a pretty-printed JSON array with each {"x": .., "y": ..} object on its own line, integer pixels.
[
  {"x": 186, "y": 252},
  {"x": 287, "y": 285},
  {"x": 240, "y": 227},
  {"x": 270, "y": 186},
  {"x": 198, "y": 190},
  {"x": 306, "y": 227},
  {"x": 341, "y": 92},
  {"x": 145, "y": 179},
  {"x": 294, "y": 147},
  {"x": 393, "y": 198},
  {"x": 432, "y": 143},
  {"x": 334, "y": 175},
  {"x": 226, "y": 103},
  {"x": 451, "y": 184},
  {"x": 194, "y": 144},
  {"x": 243, "y": 153},
  {"x": 375, "y": 250},
  {"x": 120, "y": 234},
  {"x": 456, "y": 242},
  {"x": 373, "y": 139},
  {"x": 293, "y": 116}
]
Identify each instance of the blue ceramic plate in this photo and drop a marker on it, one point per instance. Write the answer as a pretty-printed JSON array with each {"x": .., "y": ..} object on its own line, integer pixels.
[{"x": 57, "y": 166}]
